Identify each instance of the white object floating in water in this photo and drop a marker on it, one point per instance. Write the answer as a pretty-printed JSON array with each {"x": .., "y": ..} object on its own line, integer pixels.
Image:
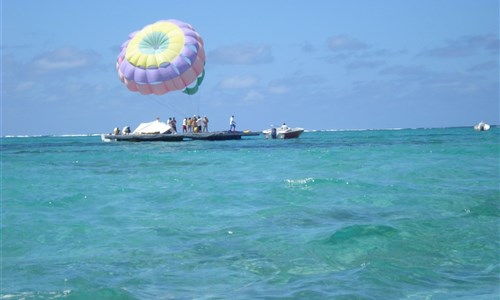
[{"x": 482, "y": 126}]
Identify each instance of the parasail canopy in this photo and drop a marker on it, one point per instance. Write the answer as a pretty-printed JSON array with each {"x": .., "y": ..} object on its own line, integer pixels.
[{"x": 162, "y": 57}]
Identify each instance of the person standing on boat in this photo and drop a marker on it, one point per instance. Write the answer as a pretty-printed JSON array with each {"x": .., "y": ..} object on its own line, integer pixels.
[
  {"x": 232, "y": 124},
  {"x": 205, "y": 124},
  {"x": 184, "y": 125},
  {"x": 198, "y": 123},
  {"x": 126, "y": 130},
  {"x": 173, "y": 123},
  {"x": 190, "y": 124}
]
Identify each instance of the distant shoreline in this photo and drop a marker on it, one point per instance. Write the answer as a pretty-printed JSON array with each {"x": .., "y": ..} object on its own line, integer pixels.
[{"x": 307, "y": 130}]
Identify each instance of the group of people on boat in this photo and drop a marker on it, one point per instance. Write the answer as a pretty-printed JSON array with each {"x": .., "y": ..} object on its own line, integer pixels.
[
  {"x": 126, "y": 130},
  {"x": 173, "y": 124},
  {"x": 198, "y": 124},
  {"x": 195, "y": 124}
]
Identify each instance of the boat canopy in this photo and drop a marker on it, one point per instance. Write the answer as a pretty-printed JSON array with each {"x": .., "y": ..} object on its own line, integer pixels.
[{"x": 152, "y": 127}]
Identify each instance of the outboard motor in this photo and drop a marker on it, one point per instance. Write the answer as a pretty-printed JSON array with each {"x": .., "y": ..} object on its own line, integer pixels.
[{"x": 273, "y": 133}]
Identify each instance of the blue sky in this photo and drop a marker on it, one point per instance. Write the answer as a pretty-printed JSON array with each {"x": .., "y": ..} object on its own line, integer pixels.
[{"x": 315, "y": 64}]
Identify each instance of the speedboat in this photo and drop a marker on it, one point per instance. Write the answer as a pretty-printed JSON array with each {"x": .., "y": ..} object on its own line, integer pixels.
[
  {"x": 482, "y": 126},
  {"x": 283, "y": 132}
]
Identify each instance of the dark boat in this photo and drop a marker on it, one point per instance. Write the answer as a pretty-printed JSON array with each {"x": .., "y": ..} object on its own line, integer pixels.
[
  {"x": 220, "y": 135},
  {"x": 169, "y": 137},
  {"x": 161, "y": 137}
]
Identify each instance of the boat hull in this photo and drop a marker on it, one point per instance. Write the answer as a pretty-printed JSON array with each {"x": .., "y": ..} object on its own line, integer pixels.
[
  {"x": 282, "y": 134},
  {"x": 207, "y": 136},
  {"x": 291, "y": 135},
  {"x": 220, "y": 135},
  {"x": 142, "y": 137}
]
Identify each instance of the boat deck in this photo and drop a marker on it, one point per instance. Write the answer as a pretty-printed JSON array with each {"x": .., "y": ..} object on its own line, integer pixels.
[
  {"x": 206, "y": 136},
  {"x": 219, "y": 135}
]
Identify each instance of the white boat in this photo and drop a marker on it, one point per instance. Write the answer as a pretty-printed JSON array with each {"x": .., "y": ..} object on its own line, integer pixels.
[
  {"x": 283, "y": 132},
  {"x": 481, "y": 126}
]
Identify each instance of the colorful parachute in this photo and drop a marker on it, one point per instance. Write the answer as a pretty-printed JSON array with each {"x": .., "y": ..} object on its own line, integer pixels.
[{"x": 162, "y": 57}]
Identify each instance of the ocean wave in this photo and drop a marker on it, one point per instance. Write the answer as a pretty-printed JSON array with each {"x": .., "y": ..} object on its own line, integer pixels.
[
  {"x": 306, "y": 130},
  {"x": 52, "y": 136},
  {"x": 98, "y": 293},
  {"x": 299, "y": 181}
]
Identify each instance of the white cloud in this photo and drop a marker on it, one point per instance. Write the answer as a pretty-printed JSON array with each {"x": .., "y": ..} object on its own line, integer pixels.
[
  {"x": 253, "y": 96},
  {"x": 63, "y": 59},
  {"x": 279, "y": 89},
  {"x": 364, "y": 64},
  {"x": 238, "y": 82},
  {"x": 25, "y": 86},
  {"x": 466, "y": 46},
  {"x": 345, "y": 43},
  {"x": 486, "y": 66},
  {"x": 242, "y": 55}
]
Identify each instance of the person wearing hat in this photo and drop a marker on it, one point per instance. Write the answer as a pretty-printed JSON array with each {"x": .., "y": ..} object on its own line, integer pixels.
[
  {"x": 184, "y": 125},
  {"x": 198, "y": 123},
  {"x": 195, "y": 124}
]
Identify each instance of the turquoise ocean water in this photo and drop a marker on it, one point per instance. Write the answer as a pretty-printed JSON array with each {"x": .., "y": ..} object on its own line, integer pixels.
[{"x": 375, "y": 214}]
